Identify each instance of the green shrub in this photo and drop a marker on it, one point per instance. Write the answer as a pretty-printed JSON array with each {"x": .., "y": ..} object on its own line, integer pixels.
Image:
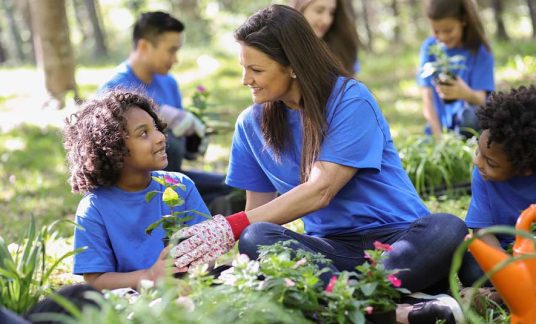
[
  {"x": 25, "y": 273},
  {"x": 433, "y": 165}
]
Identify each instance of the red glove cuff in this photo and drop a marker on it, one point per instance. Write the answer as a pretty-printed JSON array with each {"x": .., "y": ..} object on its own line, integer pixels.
[{"x": 238, "y": 222}]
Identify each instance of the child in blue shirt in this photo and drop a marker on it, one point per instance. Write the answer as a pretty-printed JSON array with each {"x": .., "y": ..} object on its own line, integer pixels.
[
  {"x": 114, "y": 145},
  {"x": 504, "y": 182},
  {"x": 456, "y": 24}
]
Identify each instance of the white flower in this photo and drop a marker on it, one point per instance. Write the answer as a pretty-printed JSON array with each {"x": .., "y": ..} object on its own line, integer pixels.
[{"x": 186, "y": 302}]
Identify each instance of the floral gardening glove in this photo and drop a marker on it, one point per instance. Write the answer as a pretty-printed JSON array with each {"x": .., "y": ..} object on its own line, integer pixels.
[{"x": 207, "y": 240}]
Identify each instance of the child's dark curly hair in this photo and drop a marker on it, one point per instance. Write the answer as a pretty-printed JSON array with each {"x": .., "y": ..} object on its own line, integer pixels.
[
  {"x": 510, "y": 118},
  {"x": 94, "y": 138}
]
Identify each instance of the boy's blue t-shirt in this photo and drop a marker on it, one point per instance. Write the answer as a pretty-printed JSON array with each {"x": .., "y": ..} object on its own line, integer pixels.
[
  {"x": 499, "y": 202},
  {"x": 380, "y": 193},
  {"x": 163, "y": 89},
  {"x": 478, "y": 74},
  {"x": 114, "y": 223}
]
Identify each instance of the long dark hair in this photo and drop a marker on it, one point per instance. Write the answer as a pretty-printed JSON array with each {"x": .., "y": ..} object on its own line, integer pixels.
[
  {"x": 341, "y": 38},
  {"x": 283, "y": 34},
  {"x": 466, "y": 11}
]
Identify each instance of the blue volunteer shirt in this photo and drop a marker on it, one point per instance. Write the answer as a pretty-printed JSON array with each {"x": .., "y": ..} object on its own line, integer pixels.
[
  {"x": 163, "y": 89},
  {"x": 114, "y": 223},
  {"x": 478, "y": 74},
  {"x": 499, "y": 202},
  {"x": 380, "y": 194}
]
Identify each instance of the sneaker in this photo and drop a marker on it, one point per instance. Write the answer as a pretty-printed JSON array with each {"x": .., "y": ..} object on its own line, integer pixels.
[{"x": 428, "y": 309}]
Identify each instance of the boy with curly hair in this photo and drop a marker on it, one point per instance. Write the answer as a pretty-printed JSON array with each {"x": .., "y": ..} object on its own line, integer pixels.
[
  {"x": 114, "y": 145},
  {"x": 504, "y": 180}
]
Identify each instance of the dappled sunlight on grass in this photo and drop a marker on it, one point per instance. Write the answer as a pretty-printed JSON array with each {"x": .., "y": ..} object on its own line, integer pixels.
[{"x": 33, "y": 178}]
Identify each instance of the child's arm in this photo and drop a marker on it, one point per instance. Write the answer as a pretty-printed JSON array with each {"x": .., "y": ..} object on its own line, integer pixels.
[
  {"x": 430, "y": 113},
  {"x": 115, "y": 280}
]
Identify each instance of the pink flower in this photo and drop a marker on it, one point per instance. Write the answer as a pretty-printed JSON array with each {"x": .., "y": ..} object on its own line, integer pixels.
[
  {"x": 171, "y": 180},
  {"x": 394, "y": 280},
  {"x": 369, "y": 310},
  {"x": 384, "y": 247},
  {"x": 331, "y": 284},
  {"x": 369, "y": 258},
  {"x": 201, "y": 89},
  {"x": 289, "y": 283}
]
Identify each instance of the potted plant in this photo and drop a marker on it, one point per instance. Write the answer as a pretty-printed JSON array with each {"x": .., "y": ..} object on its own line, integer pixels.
[
  {"x": 176, "y": 219},
  {"x": 378, "y": 286},
  {"x": 443, "y": 68},
  {"x": 436, "y": 168}
]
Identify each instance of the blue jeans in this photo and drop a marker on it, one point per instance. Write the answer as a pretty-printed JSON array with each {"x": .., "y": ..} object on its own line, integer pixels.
[
  {"x": 425, "y": 248},
  {"x": 470, "y": 272},
  {"x": 210, "y": 185}
]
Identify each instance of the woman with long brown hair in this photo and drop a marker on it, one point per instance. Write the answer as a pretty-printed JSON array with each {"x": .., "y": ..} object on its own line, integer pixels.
[{"x": 315, "y": 145}]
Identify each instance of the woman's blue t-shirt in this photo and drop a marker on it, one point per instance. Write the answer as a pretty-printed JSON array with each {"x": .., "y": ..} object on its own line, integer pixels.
[
  {"x": 379, "y": 195},
  {"x": 113, "y": 225},
  {"x": 478, "y": 74}
]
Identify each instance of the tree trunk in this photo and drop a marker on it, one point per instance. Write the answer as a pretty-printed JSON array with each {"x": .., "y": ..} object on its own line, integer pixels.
[
  {"x": 81, "y": 20},
  {"x": 14, "y": 30},
  {"x": 532, "y": 11},
  {"x": 3, "y": 54},
  {"x": 53, "y": 47},
  {"x": 396, "y": 15},
  {"x": 23, "y": 7},
  {"x": 197, "y": 29},
  {"x": 498, "y": 9},
  {"x": 366, "y": 23},
  {"x": 98, "y": 35}
]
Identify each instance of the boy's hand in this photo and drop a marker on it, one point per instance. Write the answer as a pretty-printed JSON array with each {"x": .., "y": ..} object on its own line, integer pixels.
[{"x": 206, "y": 242}]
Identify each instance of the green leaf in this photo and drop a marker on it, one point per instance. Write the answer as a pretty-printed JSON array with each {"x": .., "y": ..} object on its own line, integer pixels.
[
  {"x": 369, "y": 288},
  {"x": 154, "y": 225},
  {"x": 160, "y": 180},
  {"x": 150, "y": 195}
]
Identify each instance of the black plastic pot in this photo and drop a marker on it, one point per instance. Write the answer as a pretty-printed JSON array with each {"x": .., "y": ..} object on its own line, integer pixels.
[
  {"x": 386, "y": 317},
  {"x": 445, "y": 79},
  {"x": 463, "y": 188}
]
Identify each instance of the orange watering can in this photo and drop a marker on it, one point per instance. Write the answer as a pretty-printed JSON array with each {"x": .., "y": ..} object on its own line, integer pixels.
[{"x": 516, "y": 283}]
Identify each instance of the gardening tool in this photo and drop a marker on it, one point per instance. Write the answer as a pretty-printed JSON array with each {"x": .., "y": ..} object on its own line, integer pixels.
[{"x": 516, "y": 282}]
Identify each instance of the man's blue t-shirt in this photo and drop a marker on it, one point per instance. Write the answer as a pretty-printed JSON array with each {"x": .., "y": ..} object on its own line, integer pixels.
[
  {"x": 380, "y": 193},
  {"x": 114, "y": 223},
  {"x": 499, "y": 202},
  {"x": 163, "y": 89},
  {"x": 478, "y": 74}
]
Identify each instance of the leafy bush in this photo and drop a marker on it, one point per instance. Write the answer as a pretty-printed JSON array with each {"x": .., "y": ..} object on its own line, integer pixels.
[
  {"x": 435, "y": 166},
  {"x": 25, "y": 273}
]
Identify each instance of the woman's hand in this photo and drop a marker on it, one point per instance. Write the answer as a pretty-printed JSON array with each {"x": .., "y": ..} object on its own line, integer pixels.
[
  {"x": 158, "y": 269},
  {"x": 206, "y": 242}
]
